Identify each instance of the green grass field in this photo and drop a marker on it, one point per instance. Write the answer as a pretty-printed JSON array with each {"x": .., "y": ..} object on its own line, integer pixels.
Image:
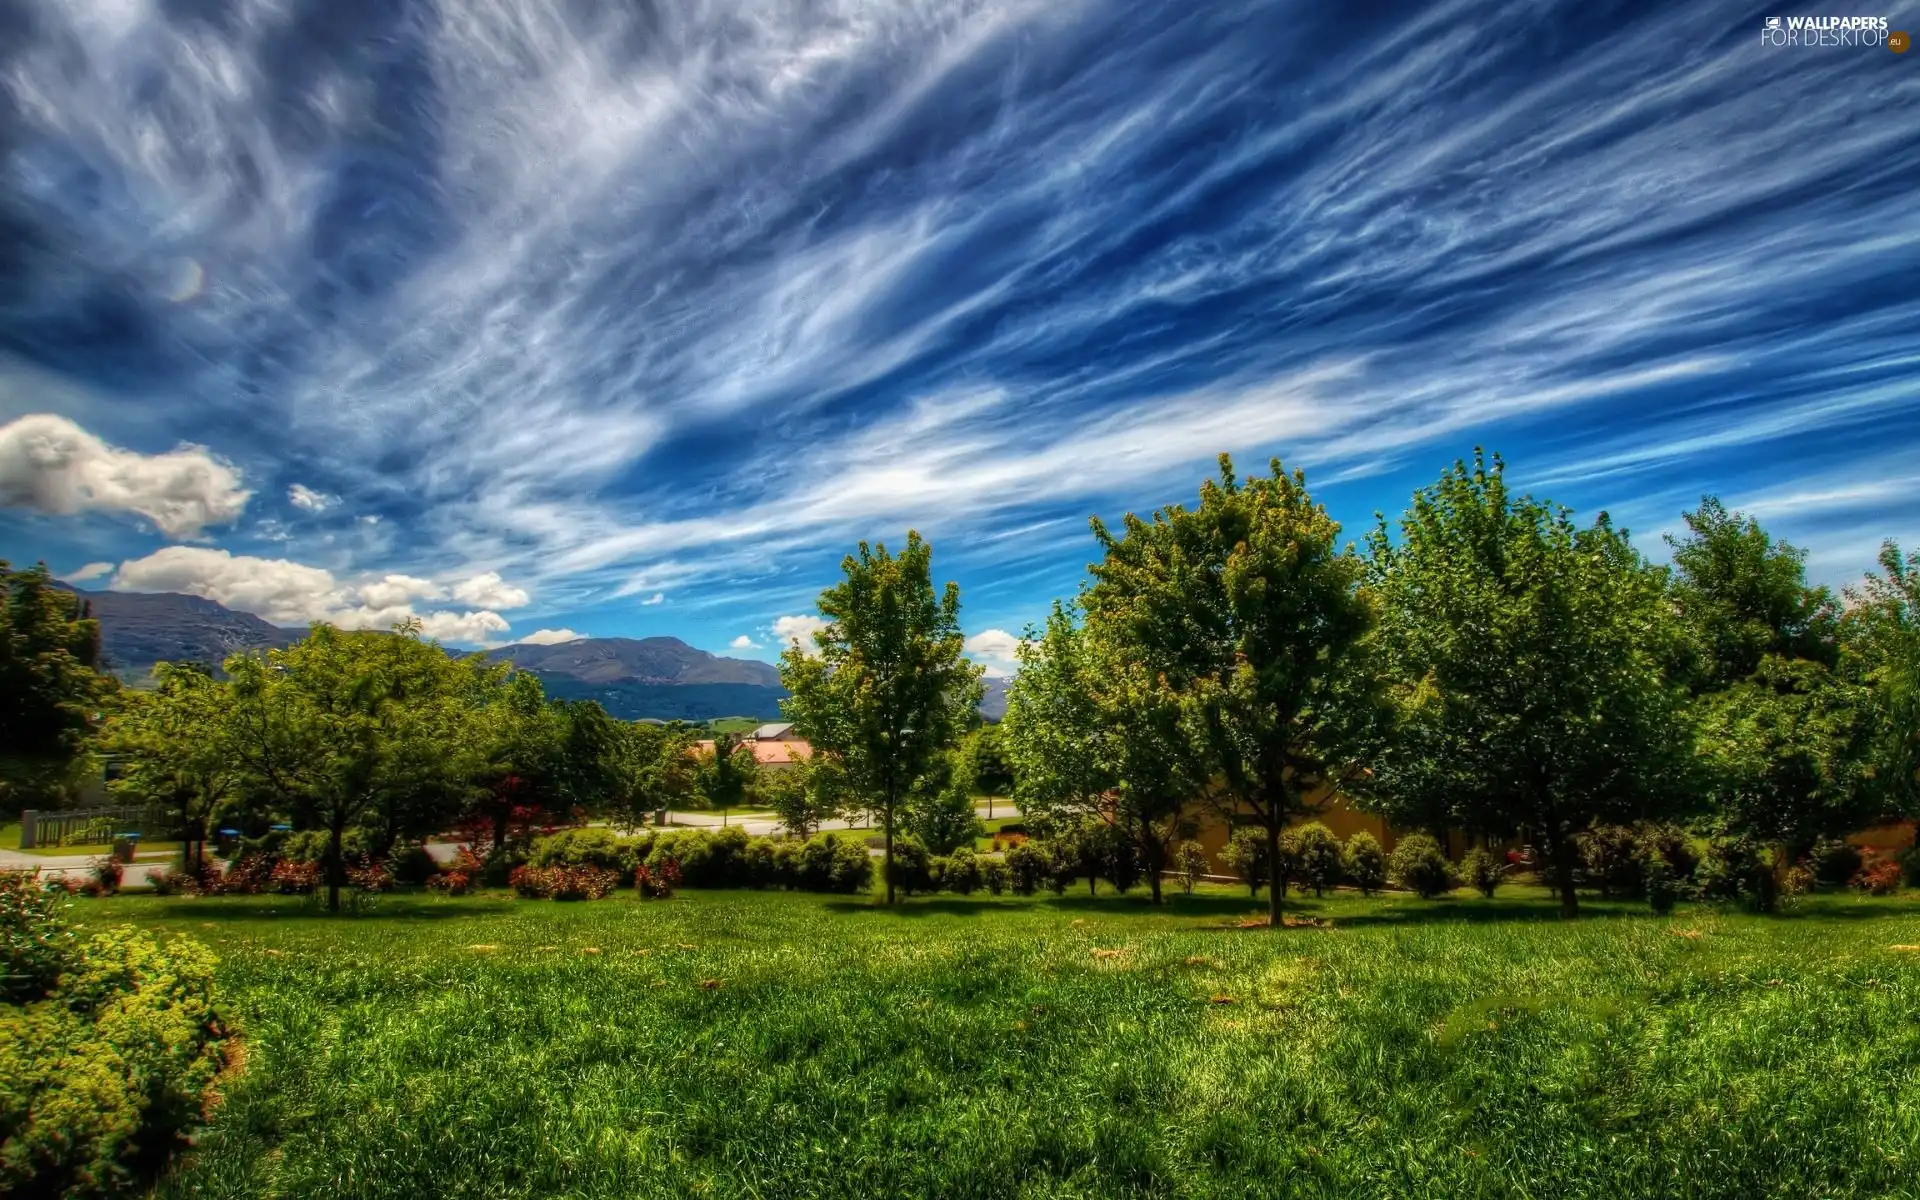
[
  {"x": 735, "y": 724},
  {"x": 772, "y": 1045}
]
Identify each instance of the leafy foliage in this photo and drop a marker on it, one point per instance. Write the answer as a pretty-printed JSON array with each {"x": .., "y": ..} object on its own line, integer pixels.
[
  {"x": 51, "y": 688},
  {"x": 1365, "y": 863},
  {"x": 1482, "y": 871},
  {"x": 1418, "y": 865},
  {"x": 1246, "y": 856},
  {"x": 887, "y": 690}
]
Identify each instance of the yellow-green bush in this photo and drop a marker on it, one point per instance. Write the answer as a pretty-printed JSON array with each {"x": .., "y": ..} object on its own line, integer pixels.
[{"x": 100, "y": 1074}]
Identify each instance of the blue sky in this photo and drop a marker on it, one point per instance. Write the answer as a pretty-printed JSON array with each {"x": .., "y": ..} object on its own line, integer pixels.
[{"x": 627, "y": 319}]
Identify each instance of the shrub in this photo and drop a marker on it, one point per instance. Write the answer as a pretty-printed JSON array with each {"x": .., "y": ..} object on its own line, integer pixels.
[
  {"x": 1737, "y": 869},
  {"x": 1418, "y": 866},
  {"x": 248, "y": 875},
  {"x": 963, "y": 876},
  {"x": 174, "y": 882},
  {"x": 1879, "y": 874},
  {"x": 1835, "y": 862},
  {"x": 1246, "y": 856},
  {"x": 36, "y": 944},
  {"x": 451, "y": 883},
  {"x": 1661, "y": 882},
  {"x": 528, "y": 883},
  {"x": 1910, "y": 864},
  {"x": 585, "y": 847},
  {"x": 107, "y": 1047},
  {"x": 1028, "y": 868},
  {"x": 1313, "y": 857},
  {"x": 498, "y": 868},
  {"x": 830, "y": 862},
  {"x": 107, "y": 871},
  {"x": 1611, "y": 857},
  {"x": 1189, "y": 864},
  {"x": 912, "y": 867},
  {"x": 657, "y": 885},
  {"x": 310, "y": 845},
  {"x": 1365, "y": 863},
  {"x": 943, "y": 822},
  {"x": 707, "y": 858},
  {"x": 1482, "y": 871},
  {"x": 295, "y": 878},
  {"x": 1672, "y": 844},
  {"x": 412, "y": 865},
  {"x": 586, "y": 882},
  {"x": 1798, "y": 880},
  {"x": 369, "y": 878},
  {"x": 995, "y": 875}
]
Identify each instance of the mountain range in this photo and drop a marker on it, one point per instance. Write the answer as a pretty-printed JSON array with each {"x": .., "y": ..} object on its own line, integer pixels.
[{"x": 658, "y": 677}]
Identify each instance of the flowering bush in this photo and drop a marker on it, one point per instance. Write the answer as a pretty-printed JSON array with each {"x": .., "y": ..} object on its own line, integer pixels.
[
  {"x": 107, "y": 872},
  {"x": 295, "y": 879},
  {"x": 657, "y": 883},
  {"x": 370, "y": 876},
  {"x": 175, "y": 882},
  {"x": 451, "y": 883},
  {"x": 246, "y": 876},
  {"x": 1879, "y": 874},
  {"x": 564, "y": 883}
]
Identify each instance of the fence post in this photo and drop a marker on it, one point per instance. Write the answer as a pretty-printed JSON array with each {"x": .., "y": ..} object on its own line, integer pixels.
[{"x": 27, "y": 821}]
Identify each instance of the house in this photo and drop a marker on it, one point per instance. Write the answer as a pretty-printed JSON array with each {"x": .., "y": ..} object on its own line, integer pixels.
[{"x": 774, "y": 746}]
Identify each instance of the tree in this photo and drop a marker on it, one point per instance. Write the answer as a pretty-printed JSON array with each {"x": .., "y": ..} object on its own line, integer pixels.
[
  {"x": 51, "y": 688},
  {"x": 1745, "y": 596},
  {"x": 986, "y": 767},
  {"x": 1243, "y": 614},
  {"x": 342, "y": 729},
  {"x": 174, "y": 746},
  {"x": 811, "y": 791},
  {"x": 654, "y": 770},
  {"x": 1881, "y": 636},
  {"x": 939, "y": 812},
  {"x": 520, "y": 774},
  {"x": 1530, "y": 661},
  {"x": 1093, "y": 738},
  {"x": 888, "y": 690},
  {"x": 1784, "y": 737},
  {"x": 727, "y": 773}
]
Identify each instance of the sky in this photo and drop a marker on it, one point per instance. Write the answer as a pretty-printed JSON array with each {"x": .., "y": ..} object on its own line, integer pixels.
[{"x": 545, "y": 318}]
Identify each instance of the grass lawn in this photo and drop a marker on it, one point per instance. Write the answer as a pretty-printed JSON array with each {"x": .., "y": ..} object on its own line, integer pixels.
[
  {"x": 735, "y": 724},
  {"x": 775, "y": 1045}
]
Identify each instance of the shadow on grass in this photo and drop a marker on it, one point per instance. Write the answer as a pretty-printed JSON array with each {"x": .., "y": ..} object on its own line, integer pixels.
[{"x": 263, "y": 908}]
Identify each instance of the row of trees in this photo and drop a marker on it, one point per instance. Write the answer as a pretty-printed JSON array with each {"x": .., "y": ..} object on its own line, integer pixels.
[{"x": 1488, "y": 665}]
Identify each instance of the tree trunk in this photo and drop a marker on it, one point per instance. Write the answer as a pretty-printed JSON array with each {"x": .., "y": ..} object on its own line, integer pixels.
[
  {"x": 1155, "y": 852},
  {"x": 1561, "y": 852},
  {"x": 1276, "y": 889},
  {"x": 333, "y": 866},
  {"x": 502, "y": 817},
  {"x": 1153, "y": 882},
  {"x": 886, "y": 819}
]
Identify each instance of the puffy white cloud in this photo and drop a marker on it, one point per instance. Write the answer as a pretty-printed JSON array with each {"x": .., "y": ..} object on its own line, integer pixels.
[
  {"x": 549, "y": 637},
  {"x": 393, "y": 590},
  {"x": 743, "y": 642},
  {"x": 490, "y": 591},
  {"x": 51, "y": 465},
  {"x": 656, "y": 598},
  {"x": 302, "y": 496},
  {"x": 996, "y": 650},
  {"x": 92, "y": 571},
  {"x": 291, "y": 593},
  {"x": 799, "y": 630}
]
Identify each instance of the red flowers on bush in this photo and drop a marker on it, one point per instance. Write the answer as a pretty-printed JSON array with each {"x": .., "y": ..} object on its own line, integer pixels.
[
  {"x": 1879, "y": 874},
  {"x": 369, "y": 876},
  {"x": 295, "y": 879},
  {"x": 657, "y": 885},
  {"x": 563, "y": 883}
]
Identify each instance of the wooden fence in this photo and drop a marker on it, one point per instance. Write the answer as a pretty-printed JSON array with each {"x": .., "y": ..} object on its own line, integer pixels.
[{"x": 55, "y": 827}]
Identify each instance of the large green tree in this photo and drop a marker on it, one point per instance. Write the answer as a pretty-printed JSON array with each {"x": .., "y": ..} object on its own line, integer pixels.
[
  {"x": 727, "y": 774},
  {"x": 1531, "y": 659},
  {"x": 174, "y": 747},
  {"x": 1881, "y": 634},
  {"x": 51, "y": 687},
  {"x": 1783, "y": 735},
  {"x": 656, "y": 770},
  {"x": 885, "y": 688},
  {"x": 343, "y": 730},
  {"x": 1093, "y": 740},
  {"x": 1244, "y": 613}
]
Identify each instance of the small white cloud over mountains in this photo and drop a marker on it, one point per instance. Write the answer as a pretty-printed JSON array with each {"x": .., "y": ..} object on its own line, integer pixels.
[
  {"x": 88, "y": 573},
  {"x": 549, "y": 637},
  {"x": 51, "y": 465},
  {"x": 798, "y": 629},
  {"x": 743, "y": 642},
  {"x": 490, "y": 591},
  {"x": 996, "y": 650}
]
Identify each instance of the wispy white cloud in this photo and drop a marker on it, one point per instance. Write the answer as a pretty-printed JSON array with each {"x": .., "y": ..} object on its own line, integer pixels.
[
  {"x": 88, "y": 573},
  {"x": 303, "y": 497}
]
